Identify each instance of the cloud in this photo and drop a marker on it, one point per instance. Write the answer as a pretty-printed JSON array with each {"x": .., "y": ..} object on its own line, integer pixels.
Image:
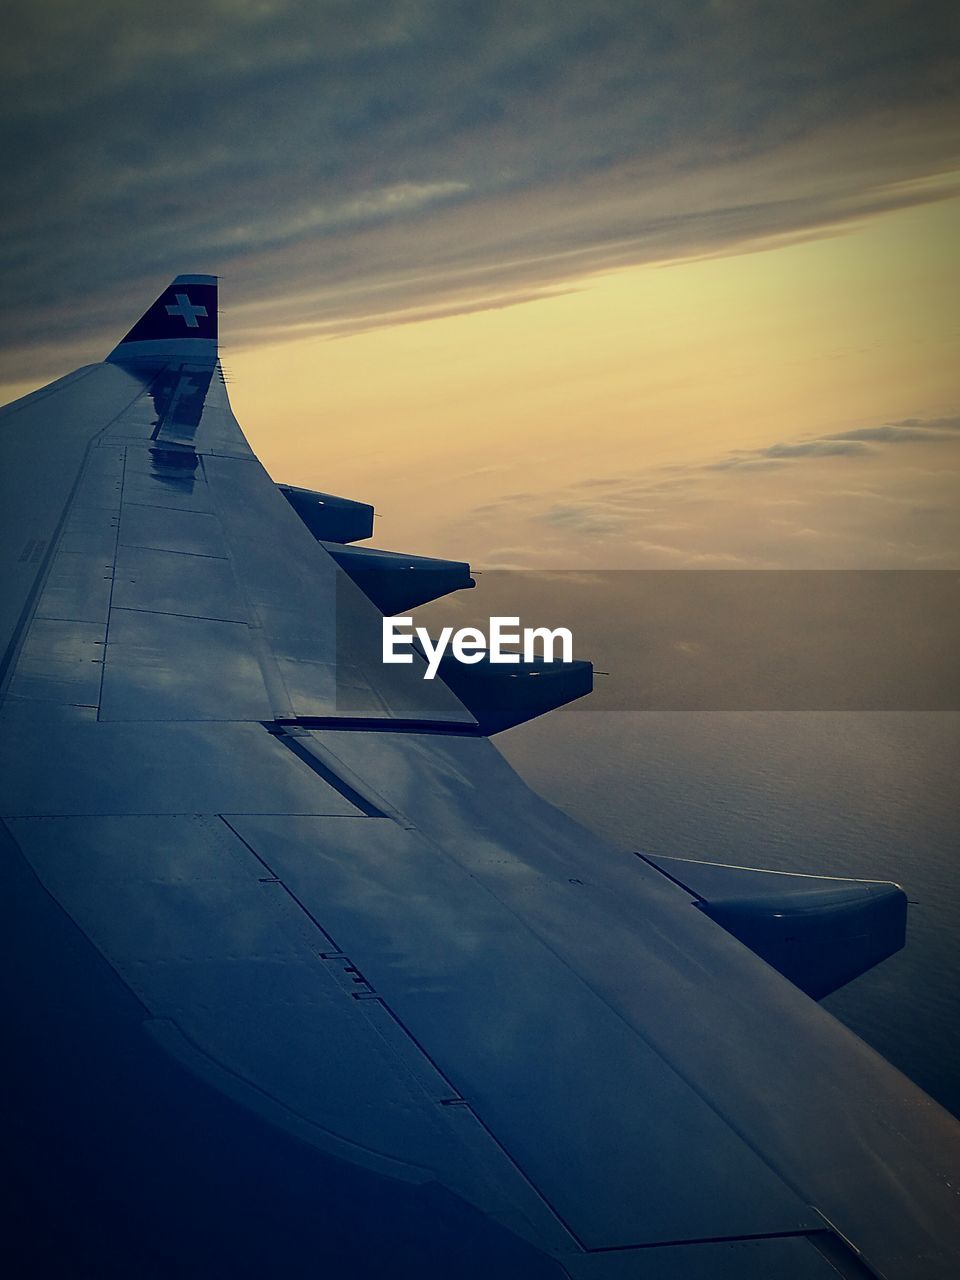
[
  {"x": 840, "y": 444},
  {"x": 910, "y": 429},
  {"x": 867, "y": 498},
  {"x": 344, "y": 166},
  {"x": 774, "y": 454},
  {"x": 585, "y": 518}
]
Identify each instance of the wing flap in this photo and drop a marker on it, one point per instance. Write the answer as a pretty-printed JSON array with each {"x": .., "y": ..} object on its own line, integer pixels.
[{"x": 550, "y": 1069}]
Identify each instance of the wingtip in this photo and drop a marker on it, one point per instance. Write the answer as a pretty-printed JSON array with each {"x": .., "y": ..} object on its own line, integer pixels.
[{"x": 180, "y": 325}]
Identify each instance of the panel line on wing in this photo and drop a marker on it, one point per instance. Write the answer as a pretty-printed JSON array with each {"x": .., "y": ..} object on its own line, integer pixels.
[
  {"x": 55, "y": 544},
  {"x": 113, "y": 581},
  {"x": 18, "y": 636},
  {"x": 277, "y": 693}
]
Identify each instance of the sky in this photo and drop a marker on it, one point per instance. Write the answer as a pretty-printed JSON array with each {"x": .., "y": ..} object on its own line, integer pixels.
[{"x": 552, "y": 284}]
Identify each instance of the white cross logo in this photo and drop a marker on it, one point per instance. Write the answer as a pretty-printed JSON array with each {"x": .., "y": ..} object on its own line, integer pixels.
[{"x": 186, "y": 310}]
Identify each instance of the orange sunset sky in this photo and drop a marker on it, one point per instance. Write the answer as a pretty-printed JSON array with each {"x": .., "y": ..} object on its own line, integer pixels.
[{"x": 586, "y": 428}]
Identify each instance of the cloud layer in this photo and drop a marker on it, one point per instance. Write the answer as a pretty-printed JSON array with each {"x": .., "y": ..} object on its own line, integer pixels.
[
  {"x": 875, "y": 497},
  {"x": 348, "y": 165},
  {"x": 841, "y": 444}
]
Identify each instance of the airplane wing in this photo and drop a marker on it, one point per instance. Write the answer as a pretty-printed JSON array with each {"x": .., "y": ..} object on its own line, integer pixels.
[{"x": 299, "y": 977}]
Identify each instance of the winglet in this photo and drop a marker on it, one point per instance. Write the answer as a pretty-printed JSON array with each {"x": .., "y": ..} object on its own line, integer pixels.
[{"x": 181, "y": 325}]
